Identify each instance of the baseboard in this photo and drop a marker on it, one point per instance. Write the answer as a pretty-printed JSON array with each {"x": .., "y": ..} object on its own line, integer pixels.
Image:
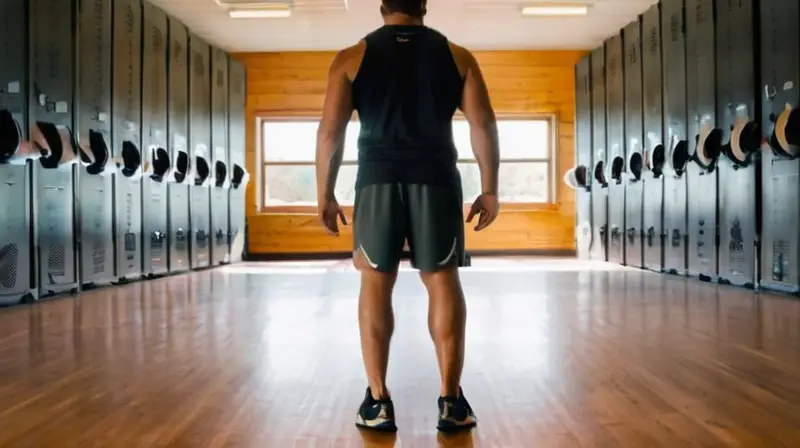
[{"x": 317, "y": 256}]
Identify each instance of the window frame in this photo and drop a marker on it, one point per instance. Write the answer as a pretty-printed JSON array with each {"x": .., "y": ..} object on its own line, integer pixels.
[{"x": 551, "y": 162}]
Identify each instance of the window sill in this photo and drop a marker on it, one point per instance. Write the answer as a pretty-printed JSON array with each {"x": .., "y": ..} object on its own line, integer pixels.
[{"x": 348, "y": 209}]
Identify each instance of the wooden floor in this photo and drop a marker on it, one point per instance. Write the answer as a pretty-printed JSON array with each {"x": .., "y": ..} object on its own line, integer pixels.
[{"x": 560, "y": 354}]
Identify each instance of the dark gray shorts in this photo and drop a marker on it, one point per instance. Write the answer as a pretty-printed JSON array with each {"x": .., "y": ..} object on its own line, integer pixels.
[{"x": 429, "y": 217}]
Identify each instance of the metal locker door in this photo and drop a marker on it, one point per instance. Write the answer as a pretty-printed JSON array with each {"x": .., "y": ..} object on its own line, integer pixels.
[
  {"x": 615, "y": 125},
  {"x": 739, "y": 116},
  {"x": 634, "y": 146},
  {"x": 780, "y": 73},
  {"x": 654, "y": 152},
  {"x": 220, "y": 252},
  {"x": 578, "y": 177},
  {"x": 158, "y": 162},
  {"x": 239, "y": 177},
  {"x": 126, "y": 137},
  {"x": 93, "y": 111},
  {"x": 17, "y": 235},
  {"x": 705, "y": 139},
  {"x": 199, "y": 142},
  {"x": 52, "y": 46},
  {"x": 676, "y": 138},
  {"x": 178, "y": 133},
  {"x": 600, "y": 182}
]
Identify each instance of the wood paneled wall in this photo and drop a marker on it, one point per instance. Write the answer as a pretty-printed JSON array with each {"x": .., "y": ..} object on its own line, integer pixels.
[{"x": 520, "y": 82}]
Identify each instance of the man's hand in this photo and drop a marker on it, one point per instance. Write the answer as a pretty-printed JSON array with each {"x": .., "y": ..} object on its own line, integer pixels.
[
  {"x": 487, "y": 206},
  {"x": 329, "y": 213}
]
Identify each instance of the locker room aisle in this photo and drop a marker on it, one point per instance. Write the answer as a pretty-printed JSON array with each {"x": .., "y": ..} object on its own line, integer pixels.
[{"x": 560, "y": 353}]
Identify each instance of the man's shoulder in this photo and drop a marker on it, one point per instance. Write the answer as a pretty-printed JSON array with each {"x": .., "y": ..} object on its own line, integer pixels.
[
  {"x": 457, "y": 49},
  {"x": 463, "y": 57},
  {"x": 349, "y": 59}
]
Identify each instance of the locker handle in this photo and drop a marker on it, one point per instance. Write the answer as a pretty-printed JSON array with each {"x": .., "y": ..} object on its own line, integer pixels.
[
  {"x": 59, "y": 144},
  {"x": 582, "y": 177},
  {"x": 676, "y": 238},
  {"x": 745, "y": 140},
  {"x": 160, "y": 164},
  {"x": 13, "y": 148},
  {"x": 600, "y": 174},
  {"x": 617, "y": 168},
  {"x": 221, "y": 174},
  {"x": 202, "y": 171},
  {"x": 651, "y": 236},
  {"x": 181, "y": 167},
  {"x": 656, "y": 160},
  {"x": 635, "y": 166},
  {"x": 679, "y": 156},
  {"x": 94, "y": 153},
  {"x": 785, "y": 137},
  {"x": 239, "y": 176},
  {"x": 130, "y": 162},
  {"x": 708, "y": 148},
  {"x": 576, "y": 178}
]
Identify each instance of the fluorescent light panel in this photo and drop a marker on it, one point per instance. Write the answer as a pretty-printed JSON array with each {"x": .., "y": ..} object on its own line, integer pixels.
[
  {"x": 266, "y": 12},
  {"x": 555, "y": 9}
]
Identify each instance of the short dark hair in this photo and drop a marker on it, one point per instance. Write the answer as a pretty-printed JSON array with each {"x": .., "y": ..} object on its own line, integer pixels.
[{"x": 414, "y": 8}]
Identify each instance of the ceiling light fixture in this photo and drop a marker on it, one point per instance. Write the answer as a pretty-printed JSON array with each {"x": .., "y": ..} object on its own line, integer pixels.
[
  {"x": 265, "y": 12},
  {"x": 555, "y": 9}
]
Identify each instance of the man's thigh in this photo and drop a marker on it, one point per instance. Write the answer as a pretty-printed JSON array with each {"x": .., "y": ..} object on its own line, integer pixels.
[
  {"x": 379, "y": 226},
  {"x": 436, "y": 226}
]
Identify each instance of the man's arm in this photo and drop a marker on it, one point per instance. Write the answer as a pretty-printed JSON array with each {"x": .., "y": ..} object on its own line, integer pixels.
[
  {"x": 478, "y": 109},
  {"x": 336, "y": 113}
]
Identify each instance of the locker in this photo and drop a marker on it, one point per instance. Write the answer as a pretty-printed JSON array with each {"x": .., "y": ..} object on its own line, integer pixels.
[
  {"x": 126, "y": 137},
  {"x": 705, "y": 139},
  {"x": 199, "y": 142},
  {"x": 157, "y": 161},
  {"x": 615, "y": 126},
  {"x": 93, "y": 111},
  {"x": 181, "y": 175},
  {"x": 780, "y": 118},
  {"x": 600, "y": 181},
  {"x": 676, "y": 136},
  {"x": 634, "y": 146},
  {"x": 17, "y": 235},
  {"x": 220, "y": 251},
  {"x": 739, "y": 115},
  {"x": 239, "y": 175},
  {"x": 52, "y": 47},
  {"x": 583, "y": 156},
  {"x": 655, "y": 155}
]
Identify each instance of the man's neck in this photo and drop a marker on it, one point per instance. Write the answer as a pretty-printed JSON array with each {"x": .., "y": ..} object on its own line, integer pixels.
[{"x": 402, "y": 19}]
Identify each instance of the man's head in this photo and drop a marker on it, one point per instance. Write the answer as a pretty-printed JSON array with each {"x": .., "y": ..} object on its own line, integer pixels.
[{"x": 412, "y": 8}]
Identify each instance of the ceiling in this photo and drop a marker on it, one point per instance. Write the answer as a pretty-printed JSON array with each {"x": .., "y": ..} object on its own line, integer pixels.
[{"x": 335, "y": 24}]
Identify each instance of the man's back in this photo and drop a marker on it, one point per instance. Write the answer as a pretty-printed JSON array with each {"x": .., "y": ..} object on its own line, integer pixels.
[{"x": 406, "y": 90}]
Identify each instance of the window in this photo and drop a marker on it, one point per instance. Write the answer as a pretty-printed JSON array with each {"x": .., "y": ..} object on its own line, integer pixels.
[{"x": 289, "y": 176}]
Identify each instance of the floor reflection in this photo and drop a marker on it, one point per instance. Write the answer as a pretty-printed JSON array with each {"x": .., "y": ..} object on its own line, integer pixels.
[{"x": 559, "y": 353}]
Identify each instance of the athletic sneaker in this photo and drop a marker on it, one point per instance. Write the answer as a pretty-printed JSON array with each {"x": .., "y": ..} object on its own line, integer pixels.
[
  {"x": 376, "y": 415},
  {"x": 455, "y": 414}
]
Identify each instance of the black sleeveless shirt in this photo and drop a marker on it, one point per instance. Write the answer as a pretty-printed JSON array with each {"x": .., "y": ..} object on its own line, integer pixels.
[{"x": 406, "y": 92}]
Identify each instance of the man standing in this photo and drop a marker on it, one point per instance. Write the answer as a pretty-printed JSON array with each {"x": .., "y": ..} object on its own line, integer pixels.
[{"x": 406, "y": 81}]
